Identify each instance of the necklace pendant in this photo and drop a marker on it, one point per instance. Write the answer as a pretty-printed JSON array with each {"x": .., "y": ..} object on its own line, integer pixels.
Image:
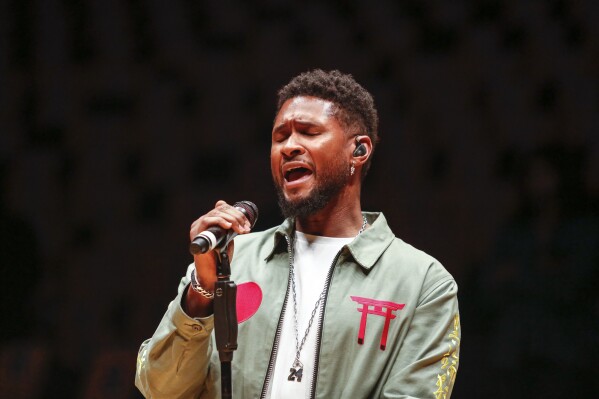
[{"x": 296, "y": 371}]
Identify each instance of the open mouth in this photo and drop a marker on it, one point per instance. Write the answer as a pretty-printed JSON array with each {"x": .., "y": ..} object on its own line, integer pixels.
[{"x": 296, "y": 174}]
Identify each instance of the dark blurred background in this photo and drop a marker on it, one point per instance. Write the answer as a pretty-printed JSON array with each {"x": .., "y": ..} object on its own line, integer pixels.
[{"x": 123, "y": 121}]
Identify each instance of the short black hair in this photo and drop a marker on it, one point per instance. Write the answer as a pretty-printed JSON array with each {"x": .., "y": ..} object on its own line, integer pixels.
[{"x": 355, "y": 105}]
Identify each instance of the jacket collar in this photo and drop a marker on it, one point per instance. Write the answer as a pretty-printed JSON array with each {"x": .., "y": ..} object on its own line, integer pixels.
[{"x": 365, "y": 249}]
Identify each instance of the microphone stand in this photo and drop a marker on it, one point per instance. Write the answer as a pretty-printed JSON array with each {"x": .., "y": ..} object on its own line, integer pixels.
[{"x": 225, "y": 319}]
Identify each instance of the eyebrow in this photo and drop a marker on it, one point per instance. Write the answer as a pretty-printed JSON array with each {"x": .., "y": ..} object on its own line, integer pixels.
[{"x": 281, "y": 126}]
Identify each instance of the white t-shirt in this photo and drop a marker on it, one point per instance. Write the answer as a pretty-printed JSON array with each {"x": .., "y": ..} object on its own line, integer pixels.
[{"x": 313, "y": 258}]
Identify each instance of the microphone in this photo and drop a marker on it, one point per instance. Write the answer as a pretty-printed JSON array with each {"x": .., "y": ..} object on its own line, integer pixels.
[{"x": 216, "y": 236}]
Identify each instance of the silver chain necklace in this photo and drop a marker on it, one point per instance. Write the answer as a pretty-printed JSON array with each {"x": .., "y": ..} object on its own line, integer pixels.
[{"x": 297, "y": 368}]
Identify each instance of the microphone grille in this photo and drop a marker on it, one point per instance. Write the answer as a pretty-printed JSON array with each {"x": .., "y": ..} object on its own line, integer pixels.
[{"x": 249, "y": 209}]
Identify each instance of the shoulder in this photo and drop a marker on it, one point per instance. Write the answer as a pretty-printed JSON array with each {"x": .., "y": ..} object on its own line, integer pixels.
[
  {"x": 379, "y": 248},
  {"x": 412, "y": 257},
  {"x": 418, "y": 265}
]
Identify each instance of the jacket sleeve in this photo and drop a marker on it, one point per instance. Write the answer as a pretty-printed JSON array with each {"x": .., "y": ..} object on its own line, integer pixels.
[
  {"x": 428, "y": 360},
  {"x": 175, "y": 362}
]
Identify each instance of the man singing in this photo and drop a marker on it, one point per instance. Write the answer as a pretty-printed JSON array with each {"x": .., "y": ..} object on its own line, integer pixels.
[{"x": 348, "y": 310}]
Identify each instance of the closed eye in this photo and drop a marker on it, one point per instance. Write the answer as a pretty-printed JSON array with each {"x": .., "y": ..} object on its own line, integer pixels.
[{"x": 311, "y": 132}]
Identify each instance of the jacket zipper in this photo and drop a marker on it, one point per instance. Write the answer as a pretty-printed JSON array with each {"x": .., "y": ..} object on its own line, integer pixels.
[
  {"x": 275, "y": 345},
  {"x": 319, "y": 329}
]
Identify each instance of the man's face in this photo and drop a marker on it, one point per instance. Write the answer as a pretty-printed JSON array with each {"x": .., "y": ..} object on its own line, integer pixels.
[{"x": 309, "y": 156}]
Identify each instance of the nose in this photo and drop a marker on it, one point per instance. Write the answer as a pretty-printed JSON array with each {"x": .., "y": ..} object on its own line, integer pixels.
[{"x": 292, "y": 147}]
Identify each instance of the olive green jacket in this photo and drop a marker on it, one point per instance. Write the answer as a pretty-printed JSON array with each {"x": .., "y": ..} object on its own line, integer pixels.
[{"x": 390, "y": 326}]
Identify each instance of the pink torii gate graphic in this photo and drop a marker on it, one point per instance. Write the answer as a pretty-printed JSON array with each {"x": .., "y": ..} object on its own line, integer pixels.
[{"x": 379, "y": 308}]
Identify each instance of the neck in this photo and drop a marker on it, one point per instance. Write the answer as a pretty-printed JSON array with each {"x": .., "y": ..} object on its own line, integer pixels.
[{"x": 339, "y": 218}]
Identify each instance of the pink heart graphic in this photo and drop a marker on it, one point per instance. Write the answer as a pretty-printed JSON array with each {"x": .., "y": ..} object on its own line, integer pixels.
[{"x": 249, "y": 298}]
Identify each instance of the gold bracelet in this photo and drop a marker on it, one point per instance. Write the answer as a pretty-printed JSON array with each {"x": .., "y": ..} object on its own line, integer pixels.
[{"x": 195, "y": 285}]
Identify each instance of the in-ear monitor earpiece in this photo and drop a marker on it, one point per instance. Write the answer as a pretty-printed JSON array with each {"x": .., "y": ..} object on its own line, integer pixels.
[{"x": 360, "y": 148}]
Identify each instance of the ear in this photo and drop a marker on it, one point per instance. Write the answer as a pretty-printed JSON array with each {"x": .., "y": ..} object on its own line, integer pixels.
[{"x": 362, "y": 150}]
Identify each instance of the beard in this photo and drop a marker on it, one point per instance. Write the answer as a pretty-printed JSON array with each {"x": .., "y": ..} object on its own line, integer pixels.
[{"x": 329, "y": 184}]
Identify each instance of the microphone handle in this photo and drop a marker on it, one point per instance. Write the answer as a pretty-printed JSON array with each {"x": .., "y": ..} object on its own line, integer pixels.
[{"x": 207, "y": 240}]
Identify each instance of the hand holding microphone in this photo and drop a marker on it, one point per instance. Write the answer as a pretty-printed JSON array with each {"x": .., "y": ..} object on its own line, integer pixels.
[
  {"x": 213, "y": 231},
  {"x": 220, "y": 235}
]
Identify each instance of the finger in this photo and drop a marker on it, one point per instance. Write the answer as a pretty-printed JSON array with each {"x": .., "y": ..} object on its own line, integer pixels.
[
  {"x": 209, "y": 221},
  {"x": 223, "y": 220},
  {"x": 240, "y": 223},
  {"x": 242, "y": 220},
  {"x": 194, "y": 225},
  {"x": 220, "y": 203},
  {"x": 197, "y": 227},
  {"x": 223, "y": 215}
]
